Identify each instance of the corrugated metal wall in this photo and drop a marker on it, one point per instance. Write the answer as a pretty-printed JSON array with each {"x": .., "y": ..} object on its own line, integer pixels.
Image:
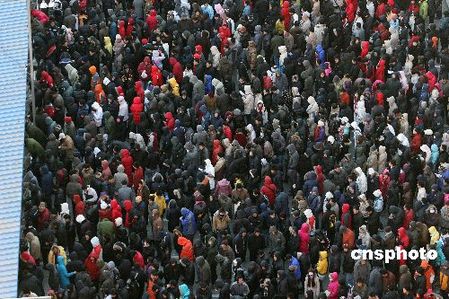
[{"x": 13, "y": 72}]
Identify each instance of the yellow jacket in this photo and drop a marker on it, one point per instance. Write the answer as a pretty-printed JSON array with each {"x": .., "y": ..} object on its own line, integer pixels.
[
  {"x": 434, "y": 235},
  {"x": 322, "y": 263},
  {"x": 162, "y": 205},
  {"x": 174, "y": 86}
]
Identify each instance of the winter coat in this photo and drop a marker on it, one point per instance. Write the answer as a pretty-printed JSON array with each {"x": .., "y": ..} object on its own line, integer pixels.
[
  {"x": 269, "y": 190},
  {"x": 304, "y": 238},
  {"x": 64, "y": 276},
  {"x": 186, "y": 249},
  {"x": 136, "y": 109},
  {"x": 333, "y": 286},
  {"x": 188, "y": 222}
]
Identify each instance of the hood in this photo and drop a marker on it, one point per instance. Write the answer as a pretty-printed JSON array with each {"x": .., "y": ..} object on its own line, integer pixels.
[
  {"x": 334, "y": 276},
  {"x": 136, "y": 100},
  {"x": 121, "y": 168},
  {"x": 214, "y": 50},
  {"x": 403, "y": 269},
  {"x": 247, "y": 89},
  {"x": 168, "y": 116},
  {"x": 433, "y": 230},
  {"x": 267, "y": 180},
  {"x": 124, "y": 153},
  {"x": 153, "y": 13},
  {"x": 29, "y": 236},
  {"x": 185, "y": 212},
  {"x": 114, "y": 204},
  {"x": 402, "y": 232},
  {"x": 345, "y": 208}
]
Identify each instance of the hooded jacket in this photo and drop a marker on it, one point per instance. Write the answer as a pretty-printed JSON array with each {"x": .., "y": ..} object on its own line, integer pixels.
[
  {"x": 304, "y": 238},
  {"x": 136, "y": 109},
  {"x": 64, "y": 276},
  {"x": 269, "y": 190},
  {"x": 188, "y": 222},
  {"x": 333, "y": 286}
]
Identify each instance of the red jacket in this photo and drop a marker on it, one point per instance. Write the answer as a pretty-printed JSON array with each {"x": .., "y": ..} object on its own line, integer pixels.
[
  {"x": 187, "y": 249},
  {"x": 176, "y": 69},
  {"x": 127, "y": 162},
  {"x": 269, "y": 190},
  {"x": 116, "y": 210},
  {"x": 216, "y": 149},
  {"x": 136, "y": 109},
  {"x": 285, "y": 12},
  {"x": 91, "y": 263},
  {"x": 169, "y": 121},
  {"x": 122, "y": 29},
  {"x": 42, "y": 219},
  {"x": 304, "y": 238},
  {"x": 380, "y": 70},
  {"x": 145, "y": 65},
  {"x": 152, "y": 20},
  {"x": 137, "y": 177},
  {"x": 79, "y": 205},
  {"x": 403, "y": 237},
  {"x": 156, "y": 76},
  {"x": 130, "y": 27}
]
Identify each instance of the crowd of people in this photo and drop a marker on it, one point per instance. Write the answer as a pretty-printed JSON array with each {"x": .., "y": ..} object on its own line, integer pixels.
[{"x": 236, "y": 149}]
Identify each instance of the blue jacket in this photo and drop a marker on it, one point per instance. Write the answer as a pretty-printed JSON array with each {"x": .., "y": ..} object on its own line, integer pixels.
[
  {"x": 46, "y": 180},
  {"x": 64, "y": 276},
  {"x": 295, "y": 262},
  {"x": 188, "y": 222}
]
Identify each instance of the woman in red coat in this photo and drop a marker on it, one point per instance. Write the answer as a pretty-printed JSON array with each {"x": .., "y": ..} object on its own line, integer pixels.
[
  {"x": 136, "y": 109},
  {"x": 127, "y": 162},
  {"x": 78, "y": 205},
  {"x": 152, "y": 20},
  {"x": 176, "y": 69},
  {"x": 169, "y": 121},
  {"x": 285, "y": 12},
  {"x": 122, "y": 29},
  {"x": 216, "y": 149},
  {"x": 380, "y": 70},
  {"x": 130, "y": 27},
  {"x": 304, "y": 238},
  {"x": 186, "y": 250},
  {"x": 116, "y": 210},
  {"x": 91, "y": 261},
  {"x": 269, "y": 190},
  {"x": 156, "y": 76},
  {"x": 351, "y": 9}
]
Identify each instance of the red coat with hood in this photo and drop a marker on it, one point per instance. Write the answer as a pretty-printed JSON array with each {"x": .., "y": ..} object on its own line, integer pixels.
[
  {"x": 116, "y": 210},
  {"x": 40, "y": 16},
  {"x": 176, "y": 69},
  {"x": 380, "y": 71},
  {"x": 269, "y": 189},
  {"x": 105, "y": 213},
  {"x": 127, "y": 205},
  {"x": 217, "y": 148},
  {"x": 404, "y": 240},
  {"x": 127, "y": 162},
  {"x": 137, "y": 177},
  {"x": 139, "y": 260},
  {"x": 169, "y": 121},
  {"x": 351, "y": 9},
  {"x": 285, "y": 12},
  {"x": 384, "y": 182},
  {"x": 122, "y": 28},
  {"x": 227, "y": 132},
  {"x": 47, "y": 79},
  {"x": 130, "y": 27},
  {"x": 346, "y": 217},
  {"x": 78, "y": 205},
  {"x": 152, "y": 20},
  {"x": 156, "y": 76},
  {"x": 365, "y": 49},
  {"x": 304, "y": 238},
  {"x": 139, "y": 90},
  {"x": 416, "y": 143},
  {"x": 186, "y": 250},
  {"x": 136, "y": 109},
  {"x": 91, "y": 263},
  {"x": 319, "y": 178},
  {"x": 432, "y": 80}
]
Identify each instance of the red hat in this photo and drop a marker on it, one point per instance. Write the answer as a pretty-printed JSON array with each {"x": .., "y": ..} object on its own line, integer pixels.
[
  {"x": 67, "y": 119},
  {"x": 144, "y": 41},
  {"x": 197, "y": 56}
]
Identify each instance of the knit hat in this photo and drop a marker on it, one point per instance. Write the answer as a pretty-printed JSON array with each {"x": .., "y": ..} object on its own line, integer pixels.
[
  {"x": 377, "y": 193},
  {"x": 80, "y": 218},
  {"x": 329, "y": 195},
  {"x": 61, "y": 136},
  {"x": 118, "y": 221},
  {"x": 95, "y": 242},
  {"x": 67, "y": 119}
]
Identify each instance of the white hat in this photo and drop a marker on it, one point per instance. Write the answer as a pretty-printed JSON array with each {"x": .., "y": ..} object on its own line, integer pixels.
[
  {"x": 65, "y": 208},
  {"x": 329, "y": 195},
  {"x": 331, "y": 139},
  {"x": 103, "y": 205},
  {"x": 80, "y": 218},
  {"x": 61, "y": 136},
  {"x": 344, "y": 119},
  {"x": 95, "y": 241},
  {"x": 320, "y": 123},
  {"x": 371, "y": 171},
  {"x": 308, "y": 213},
  {"x": 428, "y": 132},
  {"x": 118, "y": 221},
  {"x": 377, "y": 193}
]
